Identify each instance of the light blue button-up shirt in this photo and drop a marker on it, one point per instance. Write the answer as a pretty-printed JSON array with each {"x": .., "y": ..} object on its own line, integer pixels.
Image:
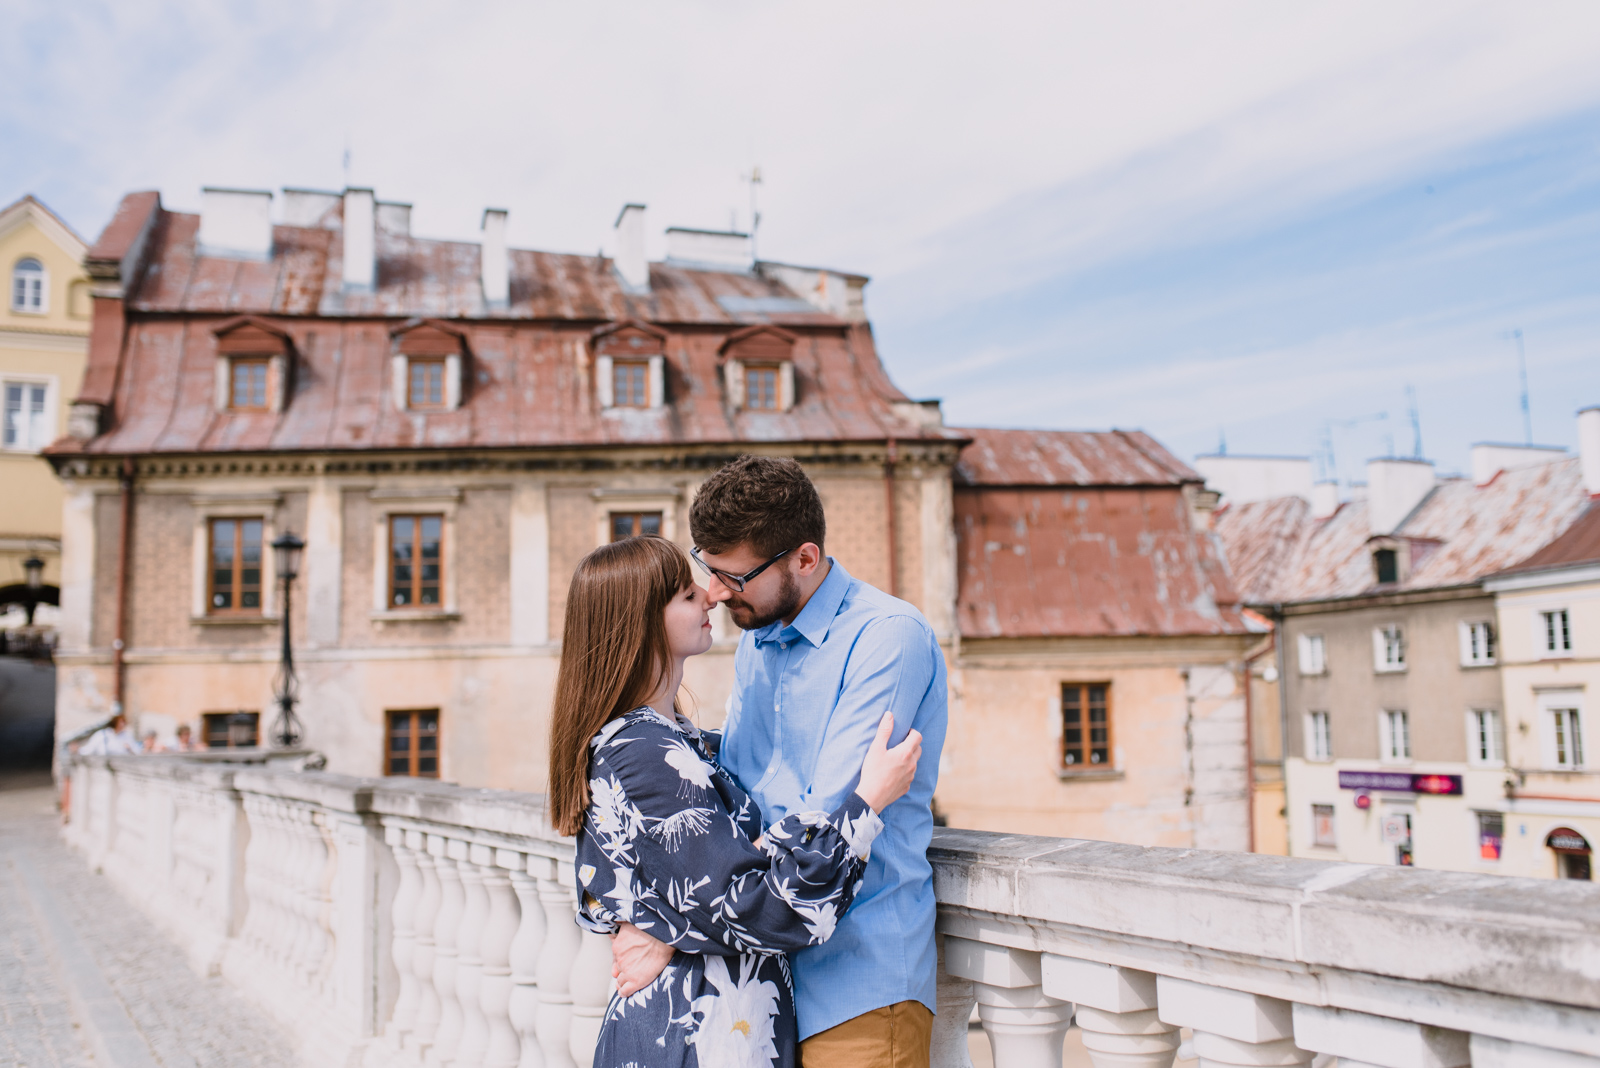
[{"x": 807, "y": 700}]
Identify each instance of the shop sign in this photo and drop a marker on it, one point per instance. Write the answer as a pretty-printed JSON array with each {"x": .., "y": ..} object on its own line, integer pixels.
[
  {"x": 1401, "y": 782},
  {"x": 1567, "y": 840},
  {"x": 1396, "y": 829}
]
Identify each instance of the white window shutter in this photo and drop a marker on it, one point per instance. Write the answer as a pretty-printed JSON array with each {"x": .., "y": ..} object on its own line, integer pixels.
[
  {"x": 657, "y": 381},
  {"x": 224, "y": 366},
  {"x": 452, "y": 382},
  {"x": 604, "y": 383},
  {"x": 733, "y": 372},
  {"x": 1378, "y": 663},
  {"x": 785, "y": 385},
  {"x": 397, "y": 375},
  {"x": 1464, "y": 634}
]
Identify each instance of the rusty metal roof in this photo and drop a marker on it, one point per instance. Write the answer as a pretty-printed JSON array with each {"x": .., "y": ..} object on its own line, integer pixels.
[
  {"x": 1460, "y": 533},
  {"x": 1579, "y": 544},
  {"x": 1068, "y": 458}
]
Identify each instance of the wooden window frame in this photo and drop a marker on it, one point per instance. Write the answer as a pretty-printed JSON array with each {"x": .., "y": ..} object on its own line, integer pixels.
[
  {"x": 207, "y": 718},
  {"x": 637, "y": 394},
  {"x": 415, "y": 603},
  {"x": 638, "y": 523},
  {"x": 237, "y": 588},
  {"x": 415, "y": 752},
  {"x": 436, "y": 365},
  {"x": 236, "y": 364},
  {"x": 1086, "y": 747},
  {"x": 754, "y": 372}
]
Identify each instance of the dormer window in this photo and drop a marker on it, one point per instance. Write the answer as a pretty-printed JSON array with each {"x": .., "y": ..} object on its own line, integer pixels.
[
  {"x": 758, "y": 369},
  {"x": 428, "y": 361},
  {"x": 255, "y": 366},
  {"x": 1386, "y": 566},
  {"x": 630, "y": 365}
]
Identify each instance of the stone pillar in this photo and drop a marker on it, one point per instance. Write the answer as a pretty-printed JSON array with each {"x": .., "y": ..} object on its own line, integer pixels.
[
  {"x": 555, "y": 965},
  {"x": 1358, "y": 1039},
  {"x": 500, "y": 930},
  {"x": 530, "y": 564},
  {"x": 591, "y": 993},
  {"x": 324, "y": 565},
  {"x": 428, "y": 1008},
  {"x": 1025, "y": 1025},
  {"x": 1231, "y": 1028},
  {"x": 445, "y": 954},
  {"x": 955, "y": 999},
  {"x": 1116, "y": 1012},
  {"x": 523, "y": 1007},
  {"x": 402, "y": 1021},
  {"x": 469, "y": 965}
]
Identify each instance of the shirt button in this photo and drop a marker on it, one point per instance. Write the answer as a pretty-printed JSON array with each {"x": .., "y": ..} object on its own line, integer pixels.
[{"x": 783, "y": 645}]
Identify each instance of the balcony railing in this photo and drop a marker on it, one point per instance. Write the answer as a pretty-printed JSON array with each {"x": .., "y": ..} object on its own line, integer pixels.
[{"x": 393, "y": 922}]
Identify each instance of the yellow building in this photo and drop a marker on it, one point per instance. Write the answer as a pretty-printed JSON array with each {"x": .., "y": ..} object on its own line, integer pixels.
[{"x": 44, "y": 337}]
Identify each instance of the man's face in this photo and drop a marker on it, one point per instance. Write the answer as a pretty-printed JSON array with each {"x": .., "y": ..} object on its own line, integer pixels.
[{"x": 770, "y": 596}]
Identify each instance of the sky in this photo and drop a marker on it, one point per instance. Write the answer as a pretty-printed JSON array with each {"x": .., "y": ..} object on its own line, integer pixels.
[{"x": 1249, "y": 223}]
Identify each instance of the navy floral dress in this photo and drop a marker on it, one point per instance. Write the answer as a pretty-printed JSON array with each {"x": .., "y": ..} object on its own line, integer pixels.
[{"x": 668, "y": 844}]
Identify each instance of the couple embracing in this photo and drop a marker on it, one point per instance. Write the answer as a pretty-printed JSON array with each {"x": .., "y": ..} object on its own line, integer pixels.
[{"x": 767, "y": 888}]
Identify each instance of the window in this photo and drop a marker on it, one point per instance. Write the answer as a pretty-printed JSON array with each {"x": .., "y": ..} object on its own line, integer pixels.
[
  {"x": 1319, "y": 738},
  {"x": 426, "y": 389},
  {"x": 1085, "y": 726},
  {"x": 1313, "y": 655},
  {"x": 247, "y": 383},
  {"x": 26, "y": 421},
  {"x": 1485, "y": 744},
  {"x": 1567, "y": 734},
  {"x": 415, "y": 563},
  {"x": 1491, "y": 834},
  {"x": 630, "y": 384},
  {"x": 235, "y": 572},
  {"x": 761, "y": 388},
  {"x": 1386, "y": 565},
  {"x": 1557, "y": 631},
  {"x": 1395, "y": 736},
  {"x": 633, "y": 524},
  {"x": 1389, "y": 648},
  {"x": 231, "y": 730},
  {"x": 1322, "y": 827},
  {"x": 1477, "y": 643},
  {"x": 413, "y": 744},
  {"x": 28, "y": 287}
]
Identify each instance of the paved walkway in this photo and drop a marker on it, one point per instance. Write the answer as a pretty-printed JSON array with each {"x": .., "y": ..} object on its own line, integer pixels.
[{"x": 87, "y": 982}]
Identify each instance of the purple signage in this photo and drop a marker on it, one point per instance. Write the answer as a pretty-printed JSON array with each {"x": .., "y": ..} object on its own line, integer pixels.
[{"x": 1402, "y": 782}]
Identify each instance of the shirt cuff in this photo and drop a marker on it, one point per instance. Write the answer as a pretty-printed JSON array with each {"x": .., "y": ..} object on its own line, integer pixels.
[{"x": 860, "y": 826}]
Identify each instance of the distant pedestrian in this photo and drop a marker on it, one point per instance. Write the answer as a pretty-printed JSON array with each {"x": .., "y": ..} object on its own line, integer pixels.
[
  {"x": 114, "y": 739},
  {"x": 186, "y": 742},
  {"x": 151, "y": 743}
]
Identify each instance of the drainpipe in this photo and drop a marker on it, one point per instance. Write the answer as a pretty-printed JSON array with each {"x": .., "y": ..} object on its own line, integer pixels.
[
  {"x": 888, "y": 497},
  {"x": 124, "y": 544},
  {"x": 1250, "y": 734},
  {"x": 1283, "y": 724}
]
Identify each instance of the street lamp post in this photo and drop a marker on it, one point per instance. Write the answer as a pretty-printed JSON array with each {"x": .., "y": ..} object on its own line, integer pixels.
[{"x": 285, "y": 685}]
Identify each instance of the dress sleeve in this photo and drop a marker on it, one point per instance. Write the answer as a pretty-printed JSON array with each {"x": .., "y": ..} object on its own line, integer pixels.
[{"x": 689, "y": 876}]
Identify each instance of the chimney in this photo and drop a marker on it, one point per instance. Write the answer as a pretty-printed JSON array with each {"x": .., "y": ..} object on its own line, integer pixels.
[
  {"x": 495, "y": 269},
  {"x": 236, "y": 224},
  {"x": 1394, "y": 488},
  {"x": 1324, "y": 499},
  {"x": 630, "y": 257},
  {"x": 1242, "y": 479},
  {"x": 360, "y": 241},
  {"x": 1589, "y": 448},
  {"x": 1489, "y": 459},
  {"x": 719, "y": 250}
]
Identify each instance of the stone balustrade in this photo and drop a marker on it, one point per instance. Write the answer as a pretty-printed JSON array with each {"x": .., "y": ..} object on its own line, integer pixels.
[{"x": 397, "y": 922}]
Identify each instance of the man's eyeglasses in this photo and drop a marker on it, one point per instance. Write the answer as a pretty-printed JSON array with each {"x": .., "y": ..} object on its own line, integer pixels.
[{"x": 733, "y": 582}]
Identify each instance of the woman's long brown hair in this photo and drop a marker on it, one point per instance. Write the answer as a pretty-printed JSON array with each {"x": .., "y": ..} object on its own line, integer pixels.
[{"x": 613, "y": 653}]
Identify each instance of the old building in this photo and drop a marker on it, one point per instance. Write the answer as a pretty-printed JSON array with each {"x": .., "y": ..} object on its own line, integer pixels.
[
  {"x": 451, "y": 426},
  {"x": 1392, "y": 702},
  {"x": 1096, "y": 686}
]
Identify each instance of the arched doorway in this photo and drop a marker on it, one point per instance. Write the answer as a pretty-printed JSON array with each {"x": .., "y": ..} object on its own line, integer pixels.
[{"x": 1572, "y": 853}]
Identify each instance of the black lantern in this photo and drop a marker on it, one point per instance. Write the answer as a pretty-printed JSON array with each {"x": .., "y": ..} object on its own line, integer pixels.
[
  {"x": 286, "y": 685},
  {"x": 33, "y": 567}
]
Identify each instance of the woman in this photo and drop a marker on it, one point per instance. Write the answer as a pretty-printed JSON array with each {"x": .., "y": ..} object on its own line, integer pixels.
[{"x": 669, "y": 842}]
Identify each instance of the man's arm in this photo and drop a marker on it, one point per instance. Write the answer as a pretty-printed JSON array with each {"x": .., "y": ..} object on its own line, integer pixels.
[{"x": 891, "y": 667}]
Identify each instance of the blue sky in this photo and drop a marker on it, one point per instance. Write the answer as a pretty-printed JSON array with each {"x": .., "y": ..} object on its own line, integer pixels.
[{"x": 1242, "y": 218}]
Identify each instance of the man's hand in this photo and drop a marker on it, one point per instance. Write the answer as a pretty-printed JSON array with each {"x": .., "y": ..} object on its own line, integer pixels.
[{"x": 636, "y": 959}]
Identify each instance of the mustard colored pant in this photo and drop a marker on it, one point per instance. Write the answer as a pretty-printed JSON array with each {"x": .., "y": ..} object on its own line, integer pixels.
[{"x": 895, "y": 1036}]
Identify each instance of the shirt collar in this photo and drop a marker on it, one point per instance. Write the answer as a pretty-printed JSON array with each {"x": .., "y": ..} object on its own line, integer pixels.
[{"x": 817, "y": 616}]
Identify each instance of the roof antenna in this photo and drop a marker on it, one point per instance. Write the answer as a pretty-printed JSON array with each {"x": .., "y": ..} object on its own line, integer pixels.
[
  {"x": 1416, "y": 422},
  {"x": 1222, "y": 442},
  {"x": 347, "y": 160},
  {"x": 754, "y": 178},
  {"x": 1522, "y": 371}
]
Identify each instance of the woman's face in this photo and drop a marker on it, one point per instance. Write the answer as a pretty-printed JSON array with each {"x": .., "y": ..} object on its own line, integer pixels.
[{"x": 688, "y": 619}]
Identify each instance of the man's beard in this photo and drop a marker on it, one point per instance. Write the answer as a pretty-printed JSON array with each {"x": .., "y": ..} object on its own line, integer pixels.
[{"x": 788, "y": 602}]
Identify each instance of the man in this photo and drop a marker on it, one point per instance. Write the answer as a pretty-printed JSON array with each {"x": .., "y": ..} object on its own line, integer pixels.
[{"x": 823, "y": 656}]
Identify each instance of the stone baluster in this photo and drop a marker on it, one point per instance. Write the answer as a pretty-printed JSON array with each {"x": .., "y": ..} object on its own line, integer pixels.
[
  {"x": 323, "y": 870},
  {"x": 1116, "y": 1012},
  {"x": 523, "y": 1006},
  {"x": 1361, "y": 1040},
  {"x": 404, "y": 912},
  {"x": 555, "y": 964},
  {"x": 1025, "y": 1025},
  {"x": 591, "y": 993},
  {"x": 469, "y": 962},
  {"x": 500, "y": 930},
  {"x": 427, "y": 1020},
  {"x": 445, "y": 954},
  {"x": 1232, "y": 1028},
  {"x": 955, "y": 999}
]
